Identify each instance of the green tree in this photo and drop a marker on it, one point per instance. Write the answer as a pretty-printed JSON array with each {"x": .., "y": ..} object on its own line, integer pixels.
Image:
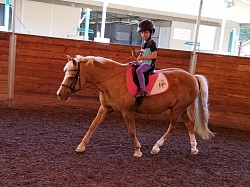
[{"x": 244, "y": 34}]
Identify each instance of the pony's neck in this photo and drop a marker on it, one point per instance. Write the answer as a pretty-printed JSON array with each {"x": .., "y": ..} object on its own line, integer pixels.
[{"x": 103, "y": 73}]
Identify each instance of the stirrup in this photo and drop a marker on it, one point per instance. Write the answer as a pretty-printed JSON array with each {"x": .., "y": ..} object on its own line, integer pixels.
[{"x": 140, "y": 94}]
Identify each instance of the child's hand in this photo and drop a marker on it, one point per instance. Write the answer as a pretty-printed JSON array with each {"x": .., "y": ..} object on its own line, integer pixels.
[
  {"x": 133, "y": 52},
  {"x": 136, "y": 53},
  {"x": 139, "y": 58}
]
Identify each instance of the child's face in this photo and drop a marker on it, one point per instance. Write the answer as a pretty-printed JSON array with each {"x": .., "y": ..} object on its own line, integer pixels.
[{"x": 145, "y": 34}]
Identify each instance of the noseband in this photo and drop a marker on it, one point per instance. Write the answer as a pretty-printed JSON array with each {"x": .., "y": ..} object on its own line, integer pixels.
[{"x": 73, "y": 84}]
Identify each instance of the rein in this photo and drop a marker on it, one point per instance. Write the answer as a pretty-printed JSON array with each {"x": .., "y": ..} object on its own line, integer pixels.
[
  {"x": 127, "y": 59},
  {"x": 99, "y": 82},
  {"x": 77, "y": 76},
  {"x": 112, "y": 75}
]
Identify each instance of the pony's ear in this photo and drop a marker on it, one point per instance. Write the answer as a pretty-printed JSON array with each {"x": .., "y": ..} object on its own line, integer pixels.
[{"x": 69, "y": 57}]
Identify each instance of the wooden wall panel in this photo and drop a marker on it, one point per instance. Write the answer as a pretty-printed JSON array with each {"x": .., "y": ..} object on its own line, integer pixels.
[
  {"x": 4, "y": 63},
  {"x": 40, "y": 62},
  {"x": 229, "y": 88}
]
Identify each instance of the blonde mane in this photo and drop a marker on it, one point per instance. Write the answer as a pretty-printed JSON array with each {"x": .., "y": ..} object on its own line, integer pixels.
[
  {"x": 89, "y": 60},
  {"x": 92, "y": 59}
]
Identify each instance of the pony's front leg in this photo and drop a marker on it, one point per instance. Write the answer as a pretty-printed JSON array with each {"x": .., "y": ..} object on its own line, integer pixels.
[
  {"x": 130, "y": 121},
  {"x": 98, "y": 119}
]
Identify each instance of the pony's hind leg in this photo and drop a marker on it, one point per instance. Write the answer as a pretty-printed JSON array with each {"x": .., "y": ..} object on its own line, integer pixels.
[
  {"x": 130, "y": 121},
  {"x": 190, "y": 126},
  {"x": 159, "y": 143},
  {"x": 98, "y": 119},
  {"x": 175, "y": 113}
]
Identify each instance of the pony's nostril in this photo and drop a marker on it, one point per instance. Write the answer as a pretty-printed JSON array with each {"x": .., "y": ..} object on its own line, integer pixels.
[{"x": 59, "y": 95}]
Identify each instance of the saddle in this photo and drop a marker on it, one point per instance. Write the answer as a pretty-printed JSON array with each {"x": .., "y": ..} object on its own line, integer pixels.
[{"x": 155, "y": 81}]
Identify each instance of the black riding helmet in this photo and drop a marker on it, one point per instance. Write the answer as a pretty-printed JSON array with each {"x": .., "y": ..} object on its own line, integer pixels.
[{"x": 146, "y": 25}]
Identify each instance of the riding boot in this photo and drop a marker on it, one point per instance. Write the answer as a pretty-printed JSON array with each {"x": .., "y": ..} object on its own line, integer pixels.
[{"x": 140, "y": 94}]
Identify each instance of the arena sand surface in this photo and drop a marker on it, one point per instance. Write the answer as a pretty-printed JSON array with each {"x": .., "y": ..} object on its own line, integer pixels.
[{"x": 37, "y": 149}]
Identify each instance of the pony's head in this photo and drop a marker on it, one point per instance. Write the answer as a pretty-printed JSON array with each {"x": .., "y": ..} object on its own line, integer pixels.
[
  {"x": 71, "y": 82},
  {"x": 81, "y": 70}
]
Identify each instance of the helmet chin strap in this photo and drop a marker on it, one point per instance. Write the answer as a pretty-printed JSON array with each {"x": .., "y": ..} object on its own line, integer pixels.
[{"x": 149, "y": 38}]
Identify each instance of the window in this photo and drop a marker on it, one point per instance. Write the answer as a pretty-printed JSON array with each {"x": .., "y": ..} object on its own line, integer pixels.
[
  {"x": 206, "y": 37},
  {"x": 244, "y": 34},
  {"x": 2, "y": 10}
]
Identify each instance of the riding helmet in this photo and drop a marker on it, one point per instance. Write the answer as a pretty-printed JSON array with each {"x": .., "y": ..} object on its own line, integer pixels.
[{"x": 146, "y": 25}]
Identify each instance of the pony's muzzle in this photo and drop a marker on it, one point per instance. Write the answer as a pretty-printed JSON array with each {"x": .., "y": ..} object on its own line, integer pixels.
[
  {"x": 59, "y": 95},
  {"x": 62, "y": 96}
]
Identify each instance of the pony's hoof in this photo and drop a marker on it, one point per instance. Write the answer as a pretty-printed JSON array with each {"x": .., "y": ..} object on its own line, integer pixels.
[
  {"x": 155, "y": 150},
  {"x": 80, "y": 149},
  {"x": 138, "y": 155},
  {"x": 194, "y": 152}
]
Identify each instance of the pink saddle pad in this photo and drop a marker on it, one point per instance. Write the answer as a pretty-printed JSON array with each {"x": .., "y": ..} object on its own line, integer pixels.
[{"x": 157, "y": 84}]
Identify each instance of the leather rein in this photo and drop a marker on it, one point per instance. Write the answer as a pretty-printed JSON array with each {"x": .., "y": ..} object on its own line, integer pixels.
[{"x": 72, "y": 86}]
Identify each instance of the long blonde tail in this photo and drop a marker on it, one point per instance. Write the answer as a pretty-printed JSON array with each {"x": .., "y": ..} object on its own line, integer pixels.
[{"x": 201, "y": 113}]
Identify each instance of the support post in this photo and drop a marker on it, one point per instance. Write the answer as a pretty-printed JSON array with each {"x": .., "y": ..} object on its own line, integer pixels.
[
  {"x": 86, "y": 25},
  {"x": 222, "y": 31},
  {"x": 193, "y": 58},
  {"x": 12, "y": 57},
  {"x": 240, "y": 46},
  {"x": 232, "y": 42},
  {"x": 104, "y": 12}
]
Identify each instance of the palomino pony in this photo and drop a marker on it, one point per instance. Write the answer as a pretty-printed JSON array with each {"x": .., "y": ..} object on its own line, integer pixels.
[{"x": 109, "y": 77}]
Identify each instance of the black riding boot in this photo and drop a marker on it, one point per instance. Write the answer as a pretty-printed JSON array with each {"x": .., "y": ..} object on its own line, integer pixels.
[{"x": 141, "y": 94}]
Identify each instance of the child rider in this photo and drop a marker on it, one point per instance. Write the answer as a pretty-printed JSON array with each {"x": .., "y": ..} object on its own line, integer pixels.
[{"x": 148, "y": 54}]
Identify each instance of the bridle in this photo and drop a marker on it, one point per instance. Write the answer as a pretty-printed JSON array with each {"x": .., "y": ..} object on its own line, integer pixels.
[{"x": 76, "y": 78}]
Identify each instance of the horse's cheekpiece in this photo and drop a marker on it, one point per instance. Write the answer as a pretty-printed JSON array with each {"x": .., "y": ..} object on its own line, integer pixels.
[{"x": 157, "y": 83}]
